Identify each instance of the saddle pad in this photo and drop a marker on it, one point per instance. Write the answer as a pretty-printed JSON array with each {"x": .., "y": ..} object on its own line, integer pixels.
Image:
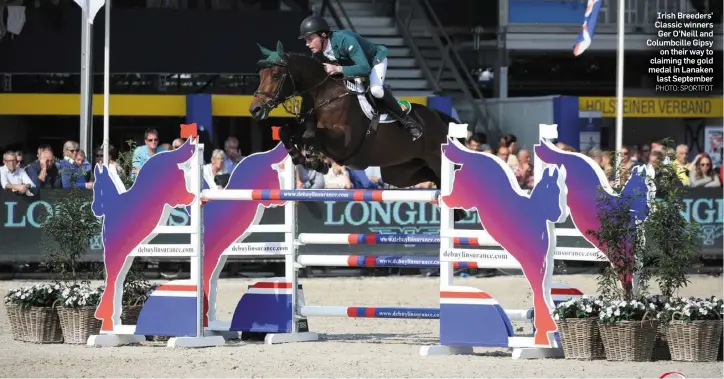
[{"x": 358, "y": 88}]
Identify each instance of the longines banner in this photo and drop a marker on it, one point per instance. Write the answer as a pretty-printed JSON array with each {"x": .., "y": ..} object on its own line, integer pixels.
[{"x": 21, "y": 233}]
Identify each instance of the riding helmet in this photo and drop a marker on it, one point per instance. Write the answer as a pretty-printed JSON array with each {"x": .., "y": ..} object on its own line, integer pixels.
[{"x": 313, "y": 24}]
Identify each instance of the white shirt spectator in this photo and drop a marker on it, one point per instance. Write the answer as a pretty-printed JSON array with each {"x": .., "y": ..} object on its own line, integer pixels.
[
  {"x": 209, "y": 175},
  {"x": 15, "y": 177},
  {"x": 374, "y": 172},
  {"x": 337, "y": 178}
]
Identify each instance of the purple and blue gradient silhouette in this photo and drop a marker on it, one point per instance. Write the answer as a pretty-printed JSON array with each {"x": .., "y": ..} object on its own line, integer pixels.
[
  {"x": 522, "y": 224},
  {"x": 227, "y": 221},
  {"x": 130, "y": 217},
  {"x": 589, "y": 190}
]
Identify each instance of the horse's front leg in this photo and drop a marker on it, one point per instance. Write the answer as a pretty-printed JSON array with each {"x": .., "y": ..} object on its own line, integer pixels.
[{"x": 286, "y": 135}]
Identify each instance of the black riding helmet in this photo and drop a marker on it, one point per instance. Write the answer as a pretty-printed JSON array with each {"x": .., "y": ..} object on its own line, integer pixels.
[{"x": 311, "y": 25}]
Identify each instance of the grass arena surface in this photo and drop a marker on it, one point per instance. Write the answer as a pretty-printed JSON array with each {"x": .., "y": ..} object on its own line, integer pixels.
[{"x": 349, "y": 347}]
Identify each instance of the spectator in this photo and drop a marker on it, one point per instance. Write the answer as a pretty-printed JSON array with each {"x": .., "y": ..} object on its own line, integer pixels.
[
  {"x": 682, "y": 166},
  {"x": 503, "y": 153},
  {"x": 19, "y": 159},
  {"x": 72, "y": 174},
  {"x": 215, "y": 168},
  {"x": 233, "y": 154},
  {"x": 511, "y": 142},
  {"x": 607, "y": 166},
  {"x": 149, "y": 149},
  {"x": 13, "y": 178},
  {"x": 44, "y": 172},
  {"x": 374, "y": 174},
  {"x": 656, "y": 159},
  {"x": 337, "y": 177},
  {"x": 474, "y": 142},
  {"x": 596, "y": 155},
  {"x": 626, "y": 164},
  {"x": 69, "y": 150},
  {"x": 112, "y": 156},
  {"x": 703, "y": 174},
  {"x": 486, "y": 149},
  {"x": 309, "y": 179},
  {"x": 177, "y": 143},
  {"x": 524, "y": 170},
  {"x": 645, "y": 152},
  {"x": 165, "y": 146}
]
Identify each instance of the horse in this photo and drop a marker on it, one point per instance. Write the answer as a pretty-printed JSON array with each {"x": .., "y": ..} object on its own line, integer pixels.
[
  {"x": 521, "y": 223},
  {"x": 343, "y": 131}
]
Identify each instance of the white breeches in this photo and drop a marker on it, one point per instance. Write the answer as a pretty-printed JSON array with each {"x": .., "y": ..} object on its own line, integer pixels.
[{"x": 377, "y": 79}]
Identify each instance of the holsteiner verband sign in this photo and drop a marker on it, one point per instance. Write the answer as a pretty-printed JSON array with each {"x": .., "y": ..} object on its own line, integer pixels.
[{"x": 21, "y": 235}]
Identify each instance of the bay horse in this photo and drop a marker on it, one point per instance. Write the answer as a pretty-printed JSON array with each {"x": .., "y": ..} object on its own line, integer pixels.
[{"x": 343, "y": 132}]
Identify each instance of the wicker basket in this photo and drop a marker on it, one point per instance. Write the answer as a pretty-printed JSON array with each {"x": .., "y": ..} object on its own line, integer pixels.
[
  {"x": 661, "y": 346},
  {"x": 696, "y": 341},
  {"x": 16, "y": 322},
  {"x": 631, "y": 341},
  {"x": 78, "y": 324},
  {"x": 41, "y": 325},
  {"x": 130, "y": 313},
  {"x": 581, "y": 338}
]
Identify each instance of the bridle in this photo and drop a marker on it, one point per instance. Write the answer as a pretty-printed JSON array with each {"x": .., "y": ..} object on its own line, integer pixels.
[{"x": 272, "y": 100}]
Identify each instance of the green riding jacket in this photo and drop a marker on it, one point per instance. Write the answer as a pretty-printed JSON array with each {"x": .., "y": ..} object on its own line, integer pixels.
[{"x": 354, "y": 53}]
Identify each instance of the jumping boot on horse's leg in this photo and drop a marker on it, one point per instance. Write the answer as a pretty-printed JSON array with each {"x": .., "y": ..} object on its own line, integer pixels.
[
  {"x": 309, "y": 131},
  {"x": 392, "y": 106}
]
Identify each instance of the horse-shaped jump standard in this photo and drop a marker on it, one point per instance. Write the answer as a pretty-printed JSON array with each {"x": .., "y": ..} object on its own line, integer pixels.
[
  {"x": 586, "y": 189},
  {"x": 344, "y": 132},
  {"x": 522, "y": 224},
  {"x": 226, "y": 221},
  {"x": 137, "y": 211}
]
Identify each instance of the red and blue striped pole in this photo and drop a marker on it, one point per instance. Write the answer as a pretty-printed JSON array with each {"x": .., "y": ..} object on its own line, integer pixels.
[
  {"x": 383, "y": 239},
  {"x": 323, "y": 195},
  {"x": 385, "y": 261},
  {"x": 370, "y": 312}
]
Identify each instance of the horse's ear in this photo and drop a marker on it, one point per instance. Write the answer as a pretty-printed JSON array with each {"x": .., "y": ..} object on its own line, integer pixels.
[
  {"x": 264, "y": 50},
  {"x": 280, "y": 48}
]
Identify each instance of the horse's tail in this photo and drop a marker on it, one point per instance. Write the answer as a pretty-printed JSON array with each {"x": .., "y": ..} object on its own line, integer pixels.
[{"x": 447, "y": 119}]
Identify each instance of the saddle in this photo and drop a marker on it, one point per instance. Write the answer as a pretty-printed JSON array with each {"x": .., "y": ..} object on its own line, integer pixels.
[{"x": 359, "y": 86}]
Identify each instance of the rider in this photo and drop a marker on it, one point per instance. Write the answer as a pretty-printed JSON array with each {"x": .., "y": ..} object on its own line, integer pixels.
[{"x": 357, "y": 57}]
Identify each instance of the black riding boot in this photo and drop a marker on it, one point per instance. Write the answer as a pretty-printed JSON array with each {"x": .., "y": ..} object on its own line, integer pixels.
[{"x": 392, "y": 106}]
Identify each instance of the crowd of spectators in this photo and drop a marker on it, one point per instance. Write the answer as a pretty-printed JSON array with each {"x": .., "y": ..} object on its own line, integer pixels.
[{"x": 25, "y": 176}]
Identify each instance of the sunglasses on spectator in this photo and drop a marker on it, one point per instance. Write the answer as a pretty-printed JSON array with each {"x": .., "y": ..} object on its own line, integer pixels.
[
  {"x": 152, "y": 139},
  {"x": 10, "y": 161}
]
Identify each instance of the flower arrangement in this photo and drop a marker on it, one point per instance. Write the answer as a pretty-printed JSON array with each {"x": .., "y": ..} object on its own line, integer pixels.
[
  {"x": 39, "y": 295},
  {"x": 581, "y": 307},
  {"x": 634, "y": 310},
  {"x": 136, "y": 292},
  {"x": 692, "y": 309},
  {"x": 80, "y": 295}
]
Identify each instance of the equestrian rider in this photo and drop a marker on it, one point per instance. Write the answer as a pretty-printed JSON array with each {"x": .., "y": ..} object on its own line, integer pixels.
[{"x": 356, "y": 57}]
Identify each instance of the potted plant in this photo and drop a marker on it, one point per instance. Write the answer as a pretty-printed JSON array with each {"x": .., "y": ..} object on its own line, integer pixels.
[
  {"x": 32, "y": 312},
  {"x": 135, "y": 294},
  {"x": 628, "y": 329},
  {"x": 67, "y": 232},
  {"x": 577, "y": 321},
  {"x": 695, "y": 328},
  {"x": 77, "y": 304}
]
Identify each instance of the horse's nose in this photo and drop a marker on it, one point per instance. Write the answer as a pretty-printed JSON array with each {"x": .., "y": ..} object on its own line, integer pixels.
[{"x": 256, "y": 112}]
